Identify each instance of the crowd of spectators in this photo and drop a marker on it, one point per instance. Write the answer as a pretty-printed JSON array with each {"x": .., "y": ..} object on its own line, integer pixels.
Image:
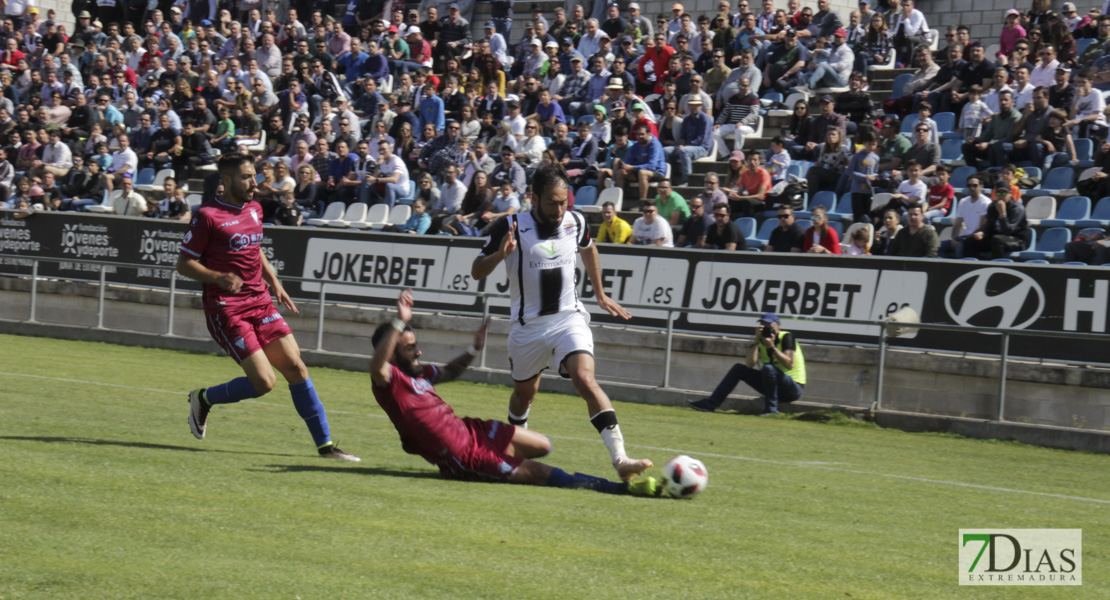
[{"x": 391, "y": 103}]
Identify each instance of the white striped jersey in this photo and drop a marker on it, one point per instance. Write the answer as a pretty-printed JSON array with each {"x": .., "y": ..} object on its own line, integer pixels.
[{"x": 541, "y": 270}]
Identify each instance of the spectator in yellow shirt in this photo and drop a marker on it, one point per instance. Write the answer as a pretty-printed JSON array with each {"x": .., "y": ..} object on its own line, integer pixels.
[{"x": 614, "y": 230}]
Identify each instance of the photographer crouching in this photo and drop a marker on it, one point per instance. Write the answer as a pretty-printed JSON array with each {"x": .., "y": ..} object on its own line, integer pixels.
[{"x": 781, "y": 376}]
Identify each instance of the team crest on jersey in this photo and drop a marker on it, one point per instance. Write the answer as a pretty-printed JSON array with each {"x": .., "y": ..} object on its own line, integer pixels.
[{"x": 420, "y": 385}]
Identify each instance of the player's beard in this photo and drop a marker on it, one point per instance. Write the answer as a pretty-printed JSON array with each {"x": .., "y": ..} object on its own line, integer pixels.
[{"x": 411, "y": 368}]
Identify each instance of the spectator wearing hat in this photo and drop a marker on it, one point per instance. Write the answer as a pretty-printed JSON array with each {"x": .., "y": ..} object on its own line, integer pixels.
[
  {"x": 639, "y": 115},
  {"x": 786, "y": 62},
  {"x": 638, "y": 21},
  {"x": 419, "y": 53},
  {"x": 774, "y": 368},
  {"x": 574, "y": 93},
  {"x": 1062, "y": 95},
  {"x": 453, "y": 38},
  {"x": 630, "y": 52},
  {"x": 835, "y": 71},
  {"x": 497, "y": 44},
  {"x": 535, "y": 61}
]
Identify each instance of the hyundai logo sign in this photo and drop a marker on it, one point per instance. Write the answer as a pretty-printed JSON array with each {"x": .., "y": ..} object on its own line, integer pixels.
[{"x": 994, "y": 297}]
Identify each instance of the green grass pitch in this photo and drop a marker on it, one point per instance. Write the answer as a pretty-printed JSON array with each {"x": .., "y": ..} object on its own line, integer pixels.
[{"x": 105, "y": 494}]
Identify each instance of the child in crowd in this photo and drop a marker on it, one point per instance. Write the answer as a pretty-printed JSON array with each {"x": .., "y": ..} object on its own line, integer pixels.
[
  {"x": 1059, "y": 148},
  {"x": 505, "y": 203},
  {"x": 924, "y": 114},
  {"x": 778, "y": 159},
  {"x": 910, "y": 192},
  {"x": 1008, "y": 174},
  {"x": 941, "y": 195},
  {"x": 974, "y": 113},
  {"x": 289, "y": 213},
  {"x": 601, "y": 128},
  {"x": 863, "y": 168},
  {"x": 859, "y": 243}
]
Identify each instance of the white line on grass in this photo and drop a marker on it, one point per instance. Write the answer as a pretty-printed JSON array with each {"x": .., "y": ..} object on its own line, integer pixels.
[{"x": 799, "y": 463}]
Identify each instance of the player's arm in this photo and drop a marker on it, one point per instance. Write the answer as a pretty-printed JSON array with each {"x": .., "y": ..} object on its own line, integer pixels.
[
  {"x": 271, "y": 278},
  {"x": 487, "y": 261},
  {"x": 592, "y": 262},
  {"x": 193, "y": 269},
  {"x": 456, "y": 367},
  {"x": 379, "y": 364}
]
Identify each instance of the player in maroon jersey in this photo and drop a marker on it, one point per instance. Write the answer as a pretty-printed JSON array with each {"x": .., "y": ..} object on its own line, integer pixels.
[
  {"x": 222, "y": 250},
  {"x": 463, "y": 448}
]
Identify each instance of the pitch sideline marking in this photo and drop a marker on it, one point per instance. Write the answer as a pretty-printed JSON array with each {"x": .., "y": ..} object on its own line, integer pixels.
[{"x": 801, "y": 464}]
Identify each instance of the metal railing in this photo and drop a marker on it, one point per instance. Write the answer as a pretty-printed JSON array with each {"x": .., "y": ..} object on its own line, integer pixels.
[{"x": 882, "y": 344}]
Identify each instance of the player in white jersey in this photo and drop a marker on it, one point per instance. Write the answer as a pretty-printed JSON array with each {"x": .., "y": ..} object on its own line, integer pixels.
[{"x": 548, "y": 320}]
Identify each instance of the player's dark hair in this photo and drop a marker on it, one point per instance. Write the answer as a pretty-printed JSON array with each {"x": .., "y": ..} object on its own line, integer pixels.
[
  {"x": 549, "y": 177},
  {"x": 230, "y": 164},
  {"x": 383, "y": 329}
]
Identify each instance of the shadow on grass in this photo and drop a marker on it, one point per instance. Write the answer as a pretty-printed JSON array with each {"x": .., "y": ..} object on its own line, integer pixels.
[
  {"x": 348, "y": 470},
  {"x": 122, "y": 444}
]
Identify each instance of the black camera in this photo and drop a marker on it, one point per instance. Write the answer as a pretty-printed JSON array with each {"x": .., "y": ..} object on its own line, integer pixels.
[{"x": 767, "y": 332}]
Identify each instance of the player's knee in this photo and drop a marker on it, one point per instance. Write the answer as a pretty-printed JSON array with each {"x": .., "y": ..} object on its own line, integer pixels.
[{"x": 263, "y": 383}]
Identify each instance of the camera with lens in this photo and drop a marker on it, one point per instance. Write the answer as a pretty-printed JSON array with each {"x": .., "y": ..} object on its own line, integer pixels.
[{"x": 768, "y": 332}]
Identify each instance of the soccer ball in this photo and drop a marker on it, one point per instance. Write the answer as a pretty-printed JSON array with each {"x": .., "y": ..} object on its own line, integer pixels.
[{"x": 684, "y": 477}]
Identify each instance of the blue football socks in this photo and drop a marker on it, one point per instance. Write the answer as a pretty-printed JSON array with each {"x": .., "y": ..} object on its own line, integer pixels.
[
  {"x": 562, "y": 479},
  {"x": 235, "y": 390},
  {"x": 310, "y": 408}
]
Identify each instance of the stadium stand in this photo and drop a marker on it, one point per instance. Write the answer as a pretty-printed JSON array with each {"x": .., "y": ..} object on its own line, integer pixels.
[{"x": 262, "y": 84}]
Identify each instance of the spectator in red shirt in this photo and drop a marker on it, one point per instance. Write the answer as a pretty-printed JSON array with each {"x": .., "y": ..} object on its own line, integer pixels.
[
  {"x": 941, "y": 195},
  {"x": 820, "y": 238},
  {"x": 755, "y": 181}
]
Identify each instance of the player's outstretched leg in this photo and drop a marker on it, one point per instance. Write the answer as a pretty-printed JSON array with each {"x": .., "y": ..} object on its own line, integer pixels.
[
  {"x": 604, "y": 418},
  {"x": 536, "y": 473},
  {"x": 286, "y": 356}
]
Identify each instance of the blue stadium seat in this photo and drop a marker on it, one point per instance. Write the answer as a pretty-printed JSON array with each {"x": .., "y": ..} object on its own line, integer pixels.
[
  {"x": 1071, "y": 211},
  {"x": 585, "y": 196},
  {"x": 946, "y": 121},
  {"x": 1051, "y": 245},
  {"x": 1084, "y": 148},
  {"x": 907, "y": 124},
  {"x": 950, "y": 150},
  {"x": 1100, "y": 217},
  {"x": 1057, "y": 180},
  {"x": 409, "y": 197},
  {"x": 823, "y": 198},
  {"x": 1090, "y": 231},
  {"x": 805, "y": 223},
  {"x": 145, "y": 177},
  {"x": 585, "y": 119},
  {"x": 764, "y": 234},
  {"x": 899, "y": 83},
  {"x": 843, "y": 209},
  {"x": 1033, "y": 172},
  {"x": 838, "y": 227},
  {"x": 1082, "y": 43},
  {"x": 959, "y": 177},
  {"x": 747, "y": 227}
]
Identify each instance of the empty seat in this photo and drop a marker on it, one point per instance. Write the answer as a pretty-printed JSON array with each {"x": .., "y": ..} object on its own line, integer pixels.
[
  {"x": 334, "y": 212},
  {"x": 1040, "y": 208},
  {"x": 823, "y": 198},
  {"x": 377, "y": 215},
  {"x": 354, "y": 218},
  {"x": 1100, "y": 217},
  {"x": 398, "y": 215},
  {"x": 613, "y": 194},
  {"x": 747, "y": 227},
  {"x": 1051, "y": 245},
  {"x": 1070, "y": 212}
]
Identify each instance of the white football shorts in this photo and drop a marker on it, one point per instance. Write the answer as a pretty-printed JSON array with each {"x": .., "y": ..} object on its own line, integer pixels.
[{"x": 532, "y": 346}]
